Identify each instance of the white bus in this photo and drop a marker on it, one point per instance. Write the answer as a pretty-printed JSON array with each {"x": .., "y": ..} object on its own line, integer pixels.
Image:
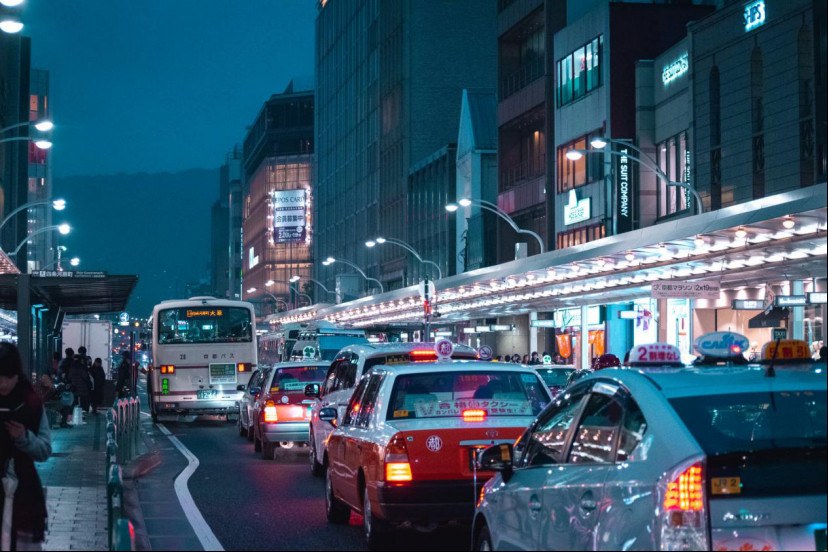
[{"x": 204, "y": 350}]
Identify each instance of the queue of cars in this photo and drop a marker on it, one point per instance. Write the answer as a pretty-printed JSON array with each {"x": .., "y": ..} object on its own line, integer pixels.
[{"x": 722, "y": 455}]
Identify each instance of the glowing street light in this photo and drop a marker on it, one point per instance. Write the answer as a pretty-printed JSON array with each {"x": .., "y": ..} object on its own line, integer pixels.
[
  {"x": 75, "y": 261},
  {"x": 64, "y": 228},
  {"x": 493, "y": 208},
  {"x": 11, "y": 24},
  {"x": 407, "y": 247},
  {"x": 43, "y": 144},
  {"x": 11, "y": 3}
]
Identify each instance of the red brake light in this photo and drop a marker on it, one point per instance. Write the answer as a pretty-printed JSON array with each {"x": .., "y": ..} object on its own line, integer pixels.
[
  {"x": 474, "y": 415},
  {"x": 241, "y": 367},
  {"x": 686, "y": 492},
  {"x": 735, "y": 349},
  {"x": 422, "y": 355},
  {"x": 168, "y": 369},
  {"x": 270, "y": 414},
  {"x": 397, "y": 467},
  {"x": 398, "y": 472}
]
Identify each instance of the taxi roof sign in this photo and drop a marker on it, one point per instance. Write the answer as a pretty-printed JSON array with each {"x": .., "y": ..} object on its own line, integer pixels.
[
  {"x": 721, "y": 344},
  {"x": 786, "y": 350},
  {"x": 444, "y": 349},
  {"x": 655, "y": 354}
]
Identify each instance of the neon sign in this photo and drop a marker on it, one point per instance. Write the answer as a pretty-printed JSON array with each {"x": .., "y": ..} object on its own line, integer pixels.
[
  {"x": 754, "y": 15},
  {"x": 675, "y": 70}
]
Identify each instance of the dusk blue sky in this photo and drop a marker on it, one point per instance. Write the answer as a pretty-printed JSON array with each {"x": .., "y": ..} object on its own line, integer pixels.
[{"x": 162, "y": 85}]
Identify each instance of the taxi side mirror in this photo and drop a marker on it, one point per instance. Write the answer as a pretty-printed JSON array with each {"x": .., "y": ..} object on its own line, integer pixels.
[
  {"x": 328, "y": 415},
  {"x": 312, "y": 390},
  {"x": 496, "y": 458}
]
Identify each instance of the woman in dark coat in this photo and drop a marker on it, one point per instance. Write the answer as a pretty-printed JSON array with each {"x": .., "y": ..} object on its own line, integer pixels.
[
  {"x": 98, "y": 379},
  {"x": 24, "y": 440}
]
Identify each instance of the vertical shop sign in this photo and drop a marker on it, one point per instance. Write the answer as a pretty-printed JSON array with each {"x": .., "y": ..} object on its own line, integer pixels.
[{"x": 623, "y": 189}]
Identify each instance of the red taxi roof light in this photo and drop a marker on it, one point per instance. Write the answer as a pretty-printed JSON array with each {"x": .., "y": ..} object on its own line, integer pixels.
[
  {"x": 474, "y": 415},
  {"x": 423, "y": 355}
]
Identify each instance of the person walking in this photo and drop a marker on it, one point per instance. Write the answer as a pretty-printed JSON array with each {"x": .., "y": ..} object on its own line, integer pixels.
[
  {"x": 65, "y": 364},
  {"x": 24, "y": 439},
  {"x": 124, "y": 381},
  {"x": 98, "y": 381}
]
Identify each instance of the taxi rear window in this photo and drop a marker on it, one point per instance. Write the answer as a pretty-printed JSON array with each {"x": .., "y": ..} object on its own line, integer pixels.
[
  {"x": 294, "y": 379},
  {"x": 555, "y": 377},
  {"x": 448, "y": 394}
]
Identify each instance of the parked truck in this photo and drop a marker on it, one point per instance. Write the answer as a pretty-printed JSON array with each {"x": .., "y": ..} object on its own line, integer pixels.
[{"x": 95, "y": 335}]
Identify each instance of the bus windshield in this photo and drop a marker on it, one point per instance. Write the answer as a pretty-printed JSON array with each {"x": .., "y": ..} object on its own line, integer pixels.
[{"x": 204, "y": 324}]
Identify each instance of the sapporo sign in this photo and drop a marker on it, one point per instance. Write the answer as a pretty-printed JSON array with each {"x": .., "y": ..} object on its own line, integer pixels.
[{"x": 676, "y": 289}]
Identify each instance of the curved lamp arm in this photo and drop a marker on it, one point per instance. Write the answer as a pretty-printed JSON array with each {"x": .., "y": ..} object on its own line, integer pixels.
[
  {"x": 30, "y": 236},
  {"x": 355, "y": 267},
  {"x": 411, "y": 250},
  {"x": 491, "y": 207}
]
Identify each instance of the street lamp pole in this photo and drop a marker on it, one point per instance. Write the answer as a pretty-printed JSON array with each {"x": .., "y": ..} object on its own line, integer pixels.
[
  {"x": 317, "y": 282},
  {"x": 491, "y": 207},
  {"x": 407, "y": 247},
  {"x": 57, "y": 204},
  {"x": 330, "y": 260},
  {"x": 62, "y": 228},
  {"x": 643, "y": 159}
]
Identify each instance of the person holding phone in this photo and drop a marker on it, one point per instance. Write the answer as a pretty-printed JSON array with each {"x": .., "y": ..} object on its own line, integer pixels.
[{"x": 24, "y": 440}]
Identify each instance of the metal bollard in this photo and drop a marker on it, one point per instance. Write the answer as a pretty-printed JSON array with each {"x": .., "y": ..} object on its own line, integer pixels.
[
  {"x": 124, "y": 536},
  {"x": 114, "y": 493}
]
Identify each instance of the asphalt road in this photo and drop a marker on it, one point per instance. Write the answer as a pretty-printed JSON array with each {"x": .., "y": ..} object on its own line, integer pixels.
[{"x": 254, "y": 504}]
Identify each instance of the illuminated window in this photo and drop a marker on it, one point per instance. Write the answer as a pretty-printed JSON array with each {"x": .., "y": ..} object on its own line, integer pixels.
[
  {"x": 577, "y": 236},
  {"x": 580, "y": 72},
  {"x": 588, "y": 168},
  {"x": 674, "y": 161}
]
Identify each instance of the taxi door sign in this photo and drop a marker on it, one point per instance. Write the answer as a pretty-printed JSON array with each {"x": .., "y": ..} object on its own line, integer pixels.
[
  {"x": 786, "y": 349},
  {"x": 655, "y": 354}
]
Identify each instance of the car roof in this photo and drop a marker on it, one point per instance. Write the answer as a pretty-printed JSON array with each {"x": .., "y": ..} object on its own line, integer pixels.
[
  {"x": 299, "y": 364},
  {"x": 700, "y": 381},
  {"x": 547, "y": 367},
  {"x": 371, "y": 349},
  {"x": 454, "y": 365}
]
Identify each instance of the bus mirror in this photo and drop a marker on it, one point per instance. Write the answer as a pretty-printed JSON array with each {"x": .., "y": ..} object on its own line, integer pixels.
[{"x": 312, "y": 390}]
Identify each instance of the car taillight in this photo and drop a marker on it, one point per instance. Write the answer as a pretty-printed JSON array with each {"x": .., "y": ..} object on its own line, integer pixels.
[
  {"x": 242, "y": 367},
  {"x": 474, "y": 415},
  {"x": 683, "y": 515},
  {"x": 270, "y": 415},
  {"x": 423, "y": 355},
  {"x": 397, "y": 466},
  {"x": 168, "y": 369}
]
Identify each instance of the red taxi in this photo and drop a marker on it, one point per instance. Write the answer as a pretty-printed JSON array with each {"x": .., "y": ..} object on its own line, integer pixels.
[{"x": 404, "y": 450}]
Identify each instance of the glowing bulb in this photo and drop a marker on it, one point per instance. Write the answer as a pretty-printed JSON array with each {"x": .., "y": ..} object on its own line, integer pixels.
[
  {"x": 574, "y": 155},
  {"x": 741, "y": 233},
  {"x": 64, "y": 229},
  {"x": 789, "y": 222}
]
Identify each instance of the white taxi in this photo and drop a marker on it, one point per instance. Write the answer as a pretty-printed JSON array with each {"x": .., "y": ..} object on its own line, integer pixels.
[
  {"x": 344, "y": 374},
  {"x": 729, "y": 457},
  {"x": 404, "y": 451}
]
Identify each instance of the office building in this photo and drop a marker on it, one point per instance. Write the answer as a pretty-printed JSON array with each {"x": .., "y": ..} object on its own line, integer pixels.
[
  {"x": 41, "y": 253},
  {"x": 230, "y": 179}
]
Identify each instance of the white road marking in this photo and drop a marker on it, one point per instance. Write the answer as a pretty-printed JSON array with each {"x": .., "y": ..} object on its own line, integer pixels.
[{"x": 199, "y": 524}]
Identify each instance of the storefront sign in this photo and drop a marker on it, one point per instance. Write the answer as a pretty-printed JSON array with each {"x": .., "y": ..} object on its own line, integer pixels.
[
  {"x": 791, "y": 300},
  {"x": 501, "y": 328},
  {"x": 623, "y": 190},
  {"x": 577, "y": 211},
  {"x": 754, "y": 15},
  {"x": 817, "y": 298},
  {"x": 722, "y": 344},
  {"x": 676, "y": 289},
  {"x": 675, "y": 70},
  {"x": 628, "y": 315},
  {"x": 747, "y": 304},
  {"x": 564, "y": 345},
  {"x": 68, "y": 274},
  {"x": 571, "y": 318},
  {"x": 481, "y": 329},
  {"x": 469, "y": 330},
  {"x": 543, "y": 324},
  {"x": 289, "y": 216}
]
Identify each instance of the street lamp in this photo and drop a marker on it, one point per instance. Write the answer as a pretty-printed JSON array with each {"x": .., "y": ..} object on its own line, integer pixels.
[
  {"x": 317, "y": 282},
  {"x": 331, "y": 260},
  {"x": 57, "y": 205},
  {"x": 75, "y": 261},
  {"x": 289, "y": 284},
  {"x": 407, "y": 247},
  {"x": 11, "y": 24},
  {"x": 41, "y": 143},
  {"x": 62, "y": 228},
  {"x": 491, "y": 207},
  {"x": 43, "y": 125},
  {"x": 599, "y": 143}
]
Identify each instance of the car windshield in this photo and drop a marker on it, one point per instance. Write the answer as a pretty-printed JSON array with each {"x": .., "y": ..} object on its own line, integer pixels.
[
  {"x": 448, "y": 394},
  {"x": 294, "y": 379},
  {"x": 555, "y": 377},
  {"x": 755, "y": 421},
  {"x": 205, "y": 325}
]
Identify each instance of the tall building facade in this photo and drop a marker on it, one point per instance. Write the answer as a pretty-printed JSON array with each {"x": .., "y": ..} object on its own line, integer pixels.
[
  {"x": 220, "y": 238},
  {"x": 230, "y": 179},
  {"x": 390, "y": 77},
  {"x": 15, "y": 56},
  {"x": 41, "y": 253},
  {"x": 278, "y": 199}
]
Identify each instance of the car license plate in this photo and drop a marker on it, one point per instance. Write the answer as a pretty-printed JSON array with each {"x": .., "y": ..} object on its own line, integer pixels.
[
  {"x": 821, "y": 544},
  {"x": 207, "y": 394},
  {"x": 726, "y": 485}
]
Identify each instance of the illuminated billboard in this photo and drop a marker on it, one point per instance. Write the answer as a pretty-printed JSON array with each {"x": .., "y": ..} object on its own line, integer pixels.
[{"x": 290, "y": 216}]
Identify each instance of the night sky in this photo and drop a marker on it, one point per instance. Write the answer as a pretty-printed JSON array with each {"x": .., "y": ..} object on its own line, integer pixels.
[{"x": 157, "y": 86}]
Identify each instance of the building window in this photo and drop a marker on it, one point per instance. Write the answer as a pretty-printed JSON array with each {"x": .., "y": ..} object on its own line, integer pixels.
[
  {"x": 806, "y": 99},
  {"x": 588, "y": 168},
  {"x": 674, "y": 161},
  {"x": 757, "y": 118},
  {"x": 580, "y": 72},
  {"x": 585, "y": 234},
  {"x": 715, "y": 140}
]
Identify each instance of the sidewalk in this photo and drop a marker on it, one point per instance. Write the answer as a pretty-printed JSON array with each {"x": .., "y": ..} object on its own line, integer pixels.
[{"x": 75, "y": 482}]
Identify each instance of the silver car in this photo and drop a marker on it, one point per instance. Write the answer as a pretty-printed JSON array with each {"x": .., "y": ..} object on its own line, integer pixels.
[{"x": 682, "y": 459}]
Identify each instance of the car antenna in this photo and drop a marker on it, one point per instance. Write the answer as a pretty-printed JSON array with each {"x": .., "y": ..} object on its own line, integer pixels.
[{"x": 770, "y": 371}]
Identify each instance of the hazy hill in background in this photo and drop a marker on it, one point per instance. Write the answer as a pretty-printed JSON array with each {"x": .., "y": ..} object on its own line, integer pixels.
[{"x": 154, "y": 225}]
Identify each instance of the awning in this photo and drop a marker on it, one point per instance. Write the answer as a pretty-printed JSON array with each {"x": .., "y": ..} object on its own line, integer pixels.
[
  {"x": 73, "y": 295},
  {"x": 769, "y": 319}
]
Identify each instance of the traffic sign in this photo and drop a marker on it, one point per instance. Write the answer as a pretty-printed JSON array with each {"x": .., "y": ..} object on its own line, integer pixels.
[
  {"x": 485, "y": 352},
  {"x": 123, "y": 319}
]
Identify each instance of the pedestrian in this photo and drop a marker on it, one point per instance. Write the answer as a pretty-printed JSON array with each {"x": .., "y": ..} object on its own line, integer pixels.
[
  {"x": 55, "y": 373},
  {"x": 98, "y": 381},
  {"x": 516, "y": 358},
  {"x": 65, "y": 364},
  {"x": 124, "y": 381},
  {"x": 80, "y": 382},
  {"x": 24, "y": 440},
  {"x": 525, "y": 360},
  {"x": 534, "y": 361}
]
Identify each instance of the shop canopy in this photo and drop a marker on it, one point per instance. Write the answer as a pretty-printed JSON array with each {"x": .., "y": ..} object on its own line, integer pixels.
[
  {"x": 72, "y": 293},
  {"x": 765, "y": 241}
]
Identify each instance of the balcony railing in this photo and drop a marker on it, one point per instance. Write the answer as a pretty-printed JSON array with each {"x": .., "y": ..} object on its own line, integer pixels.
[
  {"x": 525, "y": 170},
  {"x": 518, "y": 80}
]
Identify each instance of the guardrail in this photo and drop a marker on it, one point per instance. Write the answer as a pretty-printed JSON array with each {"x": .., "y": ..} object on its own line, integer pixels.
[{"x": 123, "y": 422}]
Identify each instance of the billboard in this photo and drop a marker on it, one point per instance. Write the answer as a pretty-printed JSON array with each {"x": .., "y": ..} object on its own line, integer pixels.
[{"x": 290, "y": 215}]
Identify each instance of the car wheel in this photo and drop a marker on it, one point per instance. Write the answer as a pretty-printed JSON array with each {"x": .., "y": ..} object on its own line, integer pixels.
[
  {"x": 250, "y": 433},
  {"x": 268, "y": 450},
  {"x": 242, "y": 429},
  {"x": 257, "y": 443},
  {"x": 335, "y": 510},
  {"x": 483, "y": 540},
  {"x": 317, "y": 469},
  {"x": 376, "y": 531}
]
